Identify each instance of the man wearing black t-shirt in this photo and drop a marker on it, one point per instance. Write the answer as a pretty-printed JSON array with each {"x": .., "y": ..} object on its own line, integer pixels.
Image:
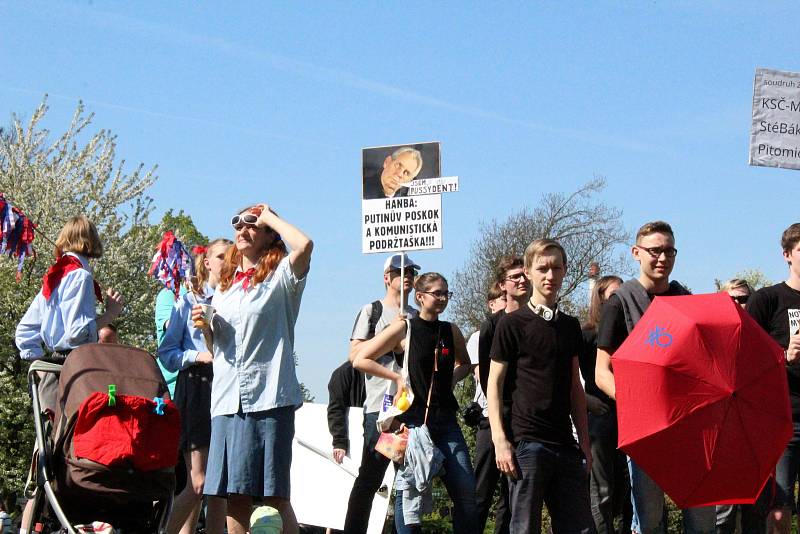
[
  {"x": 777, "y": 310},
  {"x": 544, "y": 464},
  {"x": 655, "y": 251},
  {"x": 510, "y": 278}
]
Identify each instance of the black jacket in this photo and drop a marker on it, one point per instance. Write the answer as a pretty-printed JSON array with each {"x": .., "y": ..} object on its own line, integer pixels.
[{"x": 346, "y": 389}]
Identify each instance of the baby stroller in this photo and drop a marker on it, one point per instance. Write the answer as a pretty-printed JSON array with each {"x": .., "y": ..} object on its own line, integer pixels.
[{"x": 110, "y": 453}]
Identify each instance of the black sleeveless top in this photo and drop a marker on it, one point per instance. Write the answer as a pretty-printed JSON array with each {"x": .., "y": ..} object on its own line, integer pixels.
[{"x": 425, "y": 335}]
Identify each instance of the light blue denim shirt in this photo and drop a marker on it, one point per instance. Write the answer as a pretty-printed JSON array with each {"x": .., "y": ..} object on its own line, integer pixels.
[
  {"x": 254, "y": 343},
  {"x": 64, "y": 322},
  {"x": 182, "y": 341}
]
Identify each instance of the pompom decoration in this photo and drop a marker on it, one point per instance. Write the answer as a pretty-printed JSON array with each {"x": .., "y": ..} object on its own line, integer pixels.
[
  {"x": 16, "y": 233},
  {"x": 199, "y": 249},
  {"x": 172, "y": 263}
]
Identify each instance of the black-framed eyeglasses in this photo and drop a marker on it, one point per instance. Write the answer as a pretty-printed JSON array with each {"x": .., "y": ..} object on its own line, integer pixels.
[
  {"x": 240, "y": 221},
  {"x": 656, "y": 252},
  {"x": 740, "y": 299},
  {"x": 440, "y": 295},
  {"x": 408, "y": 272},
  {"x": 519, "y": 277}
]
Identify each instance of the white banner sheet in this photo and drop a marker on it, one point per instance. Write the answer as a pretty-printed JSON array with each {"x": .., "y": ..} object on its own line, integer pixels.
[
  {"x": 433, "y": 186},
  {"x": 775, "y": 134},
  {"x": 401, "y": 224}
]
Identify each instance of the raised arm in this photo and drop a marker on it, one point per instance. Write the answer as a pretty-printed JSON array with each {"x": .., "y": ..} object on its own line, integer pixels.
[
  {"x": 299, "y": 244},
  {"x": 366, "y": 352}
]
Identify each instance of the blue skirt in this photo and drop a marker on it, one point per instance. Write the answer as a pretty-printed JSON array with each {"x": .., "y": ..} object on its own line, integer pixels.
[{"x": 251, "y": 454}]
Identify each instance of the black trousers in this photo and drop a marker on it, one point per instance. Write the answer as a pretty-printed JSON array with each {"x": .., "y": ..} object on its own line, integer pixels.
[
  {"x": 369, "y": 479},
  {"x": 486, "y": 481},
  {"x": 609, "y": 485}
]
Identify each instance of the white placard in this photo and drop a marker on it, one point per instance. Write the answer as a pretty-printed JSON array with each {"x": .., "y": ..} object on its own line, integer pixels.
[
  {"x": 433, "y": 186},
  {"x": 775, "y": 134},
  {"x": 401, "y": 224},
  {"x": 320, "y": 486}
]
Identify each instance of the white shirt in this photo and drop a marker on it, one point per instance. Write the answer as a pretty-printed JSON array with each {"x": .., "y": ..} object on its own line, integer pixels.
[
  {"x": 64, "y": 322},
  {"x": 254, "y": 367}
]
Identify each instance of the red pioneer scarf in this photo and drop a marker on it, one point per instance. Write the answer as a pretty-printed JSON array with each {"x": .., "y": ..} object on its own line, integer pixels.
[
  {"x": 247, "y": 276},
  {"x": 56, "y": 272}
]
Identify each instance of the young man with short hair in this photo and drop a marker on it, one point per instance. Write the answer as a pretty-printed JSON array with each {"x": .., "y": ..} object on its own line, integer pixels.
[
  {"x": 777, "y": 310},
  {"x": 655, "y": 252},
  {"x": 371, "y": 320},
  {"x": 510, "y": 279},
  {"x": 539, "y": 346}
]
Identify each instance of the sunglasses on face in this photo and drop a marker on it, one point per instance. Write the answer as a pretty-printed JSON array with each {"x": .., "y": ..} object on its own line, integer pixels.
[
  {"x": 240, "y": 221},
  {"x": 741, "y": 299},
  {"x": 656, "y": 252},
  {"x": 409, "y": 273}
]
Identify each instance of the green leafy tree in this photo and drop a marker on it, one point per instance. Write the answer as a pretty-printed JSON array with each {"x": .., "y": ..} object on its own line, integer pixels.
[
  {"x": 755, "y": 277},
  {"x": 182, "y": 226},
  {"x": 51, "y": 178}
]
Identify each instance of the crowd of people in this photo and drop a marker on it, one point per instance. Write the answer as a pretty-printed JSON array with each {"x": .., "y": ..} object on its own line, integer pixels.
[
  {"x": 546, "y": 429},
  {"x": 546, "y": 426}
]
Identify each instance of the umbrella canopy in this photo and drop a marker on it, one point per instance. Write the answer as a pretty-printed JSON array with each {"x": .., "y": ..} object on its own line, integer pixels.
[{"x": 702, "y": 400}]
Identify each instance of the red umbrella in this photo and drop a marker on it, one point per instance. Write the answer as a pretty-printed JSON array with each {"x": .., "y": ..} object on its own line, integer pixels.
[{"x": 702, "y": 400}]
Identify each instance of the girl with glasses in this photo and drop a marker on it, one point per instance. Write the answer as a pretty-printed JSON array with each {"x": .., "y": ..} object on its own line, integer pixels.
[
  {"x": 255, "y": 390},
  {"x": 437, "y": 359}
]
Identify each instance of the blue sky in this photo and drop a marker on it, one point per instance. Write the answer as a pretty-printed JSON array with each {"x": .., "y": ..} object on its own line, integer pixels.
[{"x": 241, "y": 102}]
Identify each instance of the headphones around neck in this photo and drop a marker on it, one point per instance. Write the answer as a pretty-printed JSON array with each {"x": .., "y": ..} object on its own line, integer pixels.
[{"x": 543, "y": 311}]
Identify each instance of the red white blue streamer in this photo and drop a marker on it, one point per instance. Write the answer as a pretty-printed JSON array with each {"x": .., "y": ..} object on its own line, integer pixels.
[
  {"x": 172, "y": 263},
  {"x": 16, "y": 233}
]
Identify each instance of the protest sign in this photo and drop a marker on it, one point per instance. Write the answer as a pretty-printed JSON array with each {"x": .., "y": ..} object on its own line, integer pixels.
[
  {"x": 401, "y": 224},
  {"x": 393, "y": 221},
  {"x": 387, "y": 171},
  {"x": 432, "y": 186},
  {"x": 775, "y": 133}
]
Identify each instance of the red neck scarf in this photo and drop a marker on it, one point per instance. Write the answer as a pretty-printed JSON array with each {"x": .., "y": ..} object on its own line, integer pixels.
[
  {"x": 247, "y": 276},
  {"x": 56, "y": 272}
]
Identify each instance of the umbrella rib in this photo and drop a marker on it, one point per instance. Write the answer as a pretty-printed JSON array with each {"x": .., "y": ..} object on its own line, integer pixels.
[
  {"x": 684, "y": 374},
  {"x": 749, "y": 448},
  {"x": 713, "y": 359},
  {"x": 702, "y": 479},
  {"x": 756, "y": 378}
]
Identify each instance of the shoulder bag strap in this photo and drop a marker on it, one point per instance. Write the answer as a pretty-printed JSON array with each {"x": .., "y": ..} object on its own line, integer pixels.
[{"x": 436, "y": 350}]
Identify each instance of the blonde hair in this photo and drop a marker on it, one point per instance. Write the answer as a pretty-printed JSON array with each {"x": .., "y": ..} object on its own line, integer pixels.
[
  {"x": 79, "y": 235},
  {"x": 269, "y": 260},
  {"x": 200, "y": 264},
  {"x": 736, "y": 283},
  {"x": 494, "y": 293},
  {"x": 654, "y": 227},
  {"x": 538, "y": 247}
]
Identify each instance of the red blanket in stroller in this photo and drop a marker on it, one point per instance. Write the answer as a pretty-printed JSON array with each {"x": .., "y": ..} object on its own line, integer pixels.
[{"x": 135, "y": 431}]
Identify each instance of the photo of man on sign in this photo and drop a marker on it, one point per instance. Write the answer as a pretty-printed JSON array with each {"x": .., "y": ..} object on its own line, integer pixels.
[{"x": 388, "y": 170}]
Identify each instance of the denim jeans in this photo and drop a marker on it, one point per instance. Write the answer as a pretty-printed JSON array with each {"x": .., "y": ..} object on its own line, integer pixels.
[
  {"x": 487, "y": 476},
  {"x": 554, "y": 475},
  {"x": 457, "y": 476},
  {"x": 649, "y": 508},
  {"x": 787, "y": 471},
  {"x": 368, "y": 482}
]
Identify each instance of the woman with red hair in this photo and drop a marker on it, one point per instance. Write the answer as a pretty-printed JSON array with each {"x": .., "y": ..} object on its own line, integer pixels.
[{"x": 255, "y": 391}]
